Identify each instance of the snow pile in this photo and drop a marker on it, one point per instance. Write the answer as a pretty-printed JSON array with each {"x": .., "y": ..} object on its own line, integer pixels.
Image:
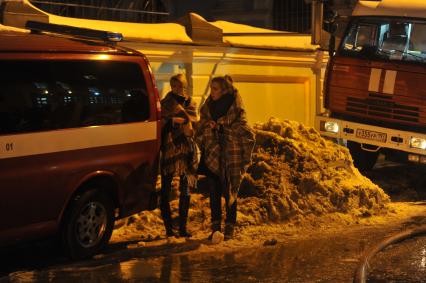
[{"x": 295, "y": 174}]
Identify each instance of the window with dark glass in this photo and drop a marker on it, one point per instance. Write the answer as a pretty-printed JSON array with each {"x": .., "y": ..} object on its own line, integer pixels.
[
  {"x": 386, "y": 39},
  {"x": 49, "y": 95}
]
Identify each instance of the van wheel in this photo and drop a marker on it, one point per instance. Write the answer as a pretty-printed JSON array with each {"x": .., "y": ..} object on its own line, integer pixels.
[
  {"x": 363, "y": 160},
  {"x": 88, "y": 224}
]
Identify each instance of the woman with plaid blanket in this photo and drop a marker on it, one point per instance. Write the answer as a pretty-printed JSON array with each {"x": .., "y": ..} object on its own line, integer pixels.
[
  {"x": 226, "y": 142},
  {"x": 178, "y": 152}
]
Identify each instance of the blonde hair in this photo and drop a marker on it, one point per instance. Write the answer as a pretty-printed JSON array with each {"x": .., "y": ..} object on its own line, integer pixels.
[
  {"x": 179, "y": 78},
  {"x": 225, "y": 82}
]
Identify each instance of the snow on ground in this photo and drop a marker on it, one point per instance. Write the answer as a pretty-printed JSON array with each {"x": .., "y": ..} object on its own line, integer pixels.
[{"x": 297, "y": 178}]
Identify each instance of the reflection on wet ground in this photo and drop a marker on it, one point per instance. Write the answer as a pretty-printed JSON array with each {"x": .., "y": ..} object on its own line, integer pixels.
[
  {"x": 321, "y": 260},
  {"x": 316, "y": 260},
  {"x": 402, "y": 262}
]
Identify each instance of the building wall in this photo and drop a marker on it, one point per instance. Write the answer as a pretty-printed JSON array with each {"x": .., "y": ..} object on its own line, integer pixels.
[
  {"x": 180, "y": 8},
  {"x": 252, "y": 12},
  {"x": 287, "y": 15},
  {"x": 281, "y": 84}
]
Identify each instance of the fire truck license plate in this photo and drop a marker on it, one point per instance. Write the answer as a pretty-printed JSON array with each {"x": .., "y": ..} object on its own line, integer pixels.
[{"x": 371, "y": 135}]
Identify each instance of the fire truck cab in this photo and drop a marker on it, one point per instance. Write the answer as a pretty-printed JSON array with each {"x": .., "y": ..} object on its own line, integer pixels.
[{"x": 375, "y": 83}]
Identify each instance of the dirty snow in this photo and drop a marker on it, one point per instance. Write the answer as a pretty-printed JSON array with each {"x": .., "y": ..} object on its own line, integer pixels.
[{"x": 296, "y": 178}]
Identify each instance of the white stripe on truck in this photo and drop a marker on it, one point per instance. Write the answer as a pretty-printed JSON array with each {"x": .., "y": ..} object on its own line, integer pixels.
[
  {"x": 389, "y": 85},
  {"x": 374, "y": 80},
  {"x": 19, "y": 145}
]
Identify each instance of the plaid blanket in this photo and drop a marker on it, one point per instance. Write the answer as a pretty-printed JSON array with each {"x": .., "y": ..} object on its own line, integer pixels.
[
  {"x": 226, "y": 149},
  {"x": 179, "y": 152}
]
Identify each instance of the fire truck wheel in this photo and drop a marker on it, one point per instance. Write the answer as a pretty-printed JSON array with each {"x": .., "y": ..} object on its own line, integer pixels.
[
  {"x": 363, "y": 160},
  {"x": 88, "y": 224}
]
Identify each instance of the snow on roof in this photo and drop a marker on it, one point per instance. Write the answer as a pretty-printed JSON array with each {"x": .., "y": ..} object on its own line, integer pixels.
[
  {"x": 9, "y": 28},
  {"x": 18, "y": 12},
  {"x": 396, "y": 8},
  {"x": 228, "y": 27},
  {"x": 175, "y": 33},
  {"x": 263, "y": 38},
  {"x": 167, "y": 32}
]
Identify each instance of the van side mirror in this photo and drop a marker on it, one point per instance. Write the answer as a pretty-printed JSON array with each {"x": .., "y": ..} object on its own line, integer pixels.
[
  {"x": 336, "y": 27},
  {"x": 328, "y": 30}
]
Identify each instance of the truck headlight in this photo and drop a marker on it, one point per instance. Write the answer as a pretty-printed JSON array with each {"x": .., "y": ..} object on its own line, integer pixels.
[
  {"x": 418, "y": 143},
  {"x": 331, "y": 127}
]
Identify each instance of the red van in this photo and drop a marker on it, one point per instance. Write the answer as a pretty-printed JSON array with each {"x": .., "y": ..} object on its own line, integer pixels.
[{"x": 79, "y": 137}]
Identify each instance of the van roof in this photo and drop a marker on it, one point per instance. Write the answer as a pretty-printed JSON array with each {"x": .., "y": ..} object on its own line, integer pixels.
[
  {"x": 394, "y": 8},
  {"x": 12, "y": 41}
]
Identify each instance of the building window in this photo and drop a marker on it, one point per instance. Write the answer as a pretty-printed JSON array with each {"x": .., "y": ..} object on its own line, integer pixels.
[{"x": 292, "y": 15}]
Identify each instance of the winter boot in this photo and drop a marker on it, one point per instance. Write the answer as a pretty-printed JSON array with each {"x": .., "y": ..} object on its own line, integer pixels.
[
  {"x": 184, "y": 202},
  {"x": 229, "y": 231},
  {"x": 167, "y": 219},
  {"x": 215, "y": 228}
]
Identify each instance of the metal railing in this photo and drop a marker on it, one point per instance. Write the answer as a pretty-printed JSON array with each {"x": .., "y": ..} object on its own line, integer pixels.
[
  {"x": 292, "y": 15},
  {"x": 145, "y": 11}
]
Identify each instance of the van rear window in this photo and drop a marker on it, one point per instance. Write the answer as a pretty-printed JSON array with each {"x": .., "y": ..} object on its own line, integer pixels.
[{"x": 48, "y": 95}]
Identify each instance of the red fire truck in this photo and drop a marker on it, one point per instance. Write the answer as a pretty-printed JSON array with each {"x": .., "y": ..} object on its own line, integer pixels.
[{"x": 375, "y": 83}]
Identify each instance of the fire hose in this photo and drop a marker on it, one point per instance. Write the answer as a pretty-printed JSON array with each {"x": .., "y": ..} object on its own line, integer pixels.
[{"x": 362, "y": 272}]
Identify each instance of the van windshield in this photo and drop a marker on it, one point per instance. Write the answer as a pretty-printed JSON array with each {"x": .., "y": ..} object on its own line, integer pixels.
[{"x": 386, "y": 39}]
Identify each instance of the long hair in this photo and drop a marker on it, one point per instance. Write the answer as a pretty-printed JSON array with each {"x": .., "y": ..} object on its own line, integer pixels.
[{"x": 226, "y": 83}]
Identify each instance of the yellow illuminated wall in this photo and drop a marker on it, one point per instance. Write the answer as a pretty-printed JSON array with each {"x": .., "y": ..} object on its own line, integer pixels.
[
  {"x": 281, "y": 84},
  {"x": 263, "y": 100}
]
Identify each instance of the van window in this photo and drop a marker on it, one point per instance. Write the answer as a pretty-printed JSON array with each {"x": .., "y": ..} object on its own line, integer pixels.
[
  {"x": 418, "y": 39},
  {"x": 48, "y": 95},
  {"x": 361, "y": 36}
]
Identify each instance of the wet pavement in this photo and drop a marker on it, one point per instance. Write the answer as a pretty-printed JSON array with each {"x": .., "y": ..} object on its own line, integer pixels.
[
  {"x": 402, "y": 262},
  {"x": 307, "y": 261},
  {"x": 325, "y": 258},
  {"x": 329, "y": 257}
]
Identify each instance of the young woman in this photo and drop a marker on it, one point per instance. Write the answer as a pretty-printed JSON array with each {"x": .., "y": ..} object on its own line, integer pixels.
[
  {"x": 178, "y": 151},
  {"x": 226, "y": 143}
]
